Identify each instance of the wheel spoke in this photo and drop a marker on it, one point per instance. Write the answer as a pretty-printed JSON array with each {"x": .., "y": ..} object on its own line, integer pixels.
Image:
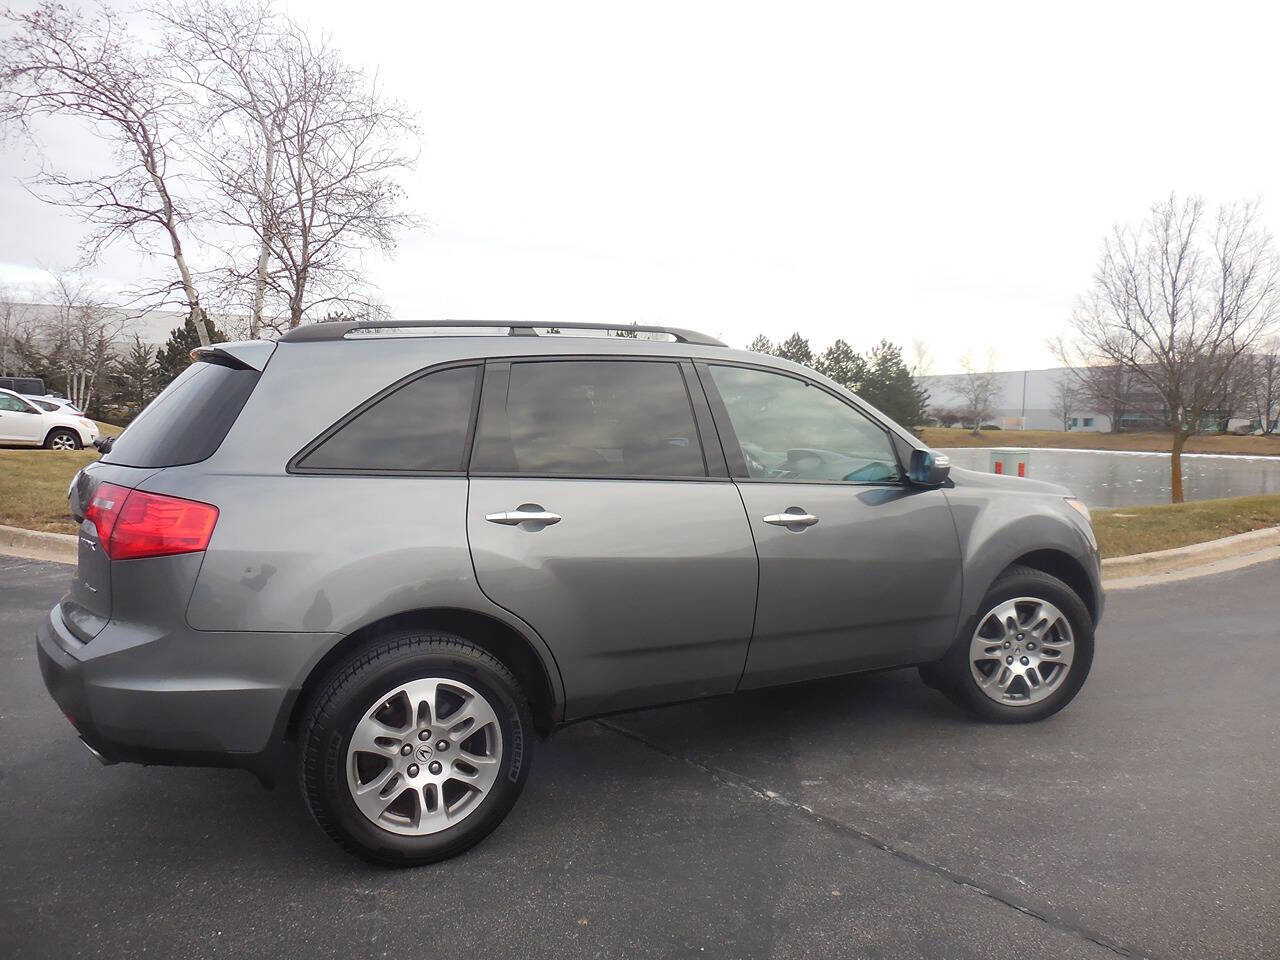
[
  {"x": 374, "y": 736},
  {"x": 474, "y": 715},
  {"x": 482, "y": 773}
]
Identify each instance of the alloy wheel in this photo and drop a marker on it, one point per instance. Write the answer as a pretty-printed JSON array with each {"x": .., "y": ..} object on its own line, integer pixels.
[
  {"x": 62, "y": 441},
  {"x": 424, "y": 756},
  {"x": 1021, "y": 651}
]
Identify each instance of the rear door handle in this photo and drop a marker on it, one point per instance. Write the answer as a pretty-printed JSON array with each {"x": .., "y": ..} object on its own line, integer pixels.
[
  {"x": 792, "y": 517},
  {"x": 525, "y": 513}
]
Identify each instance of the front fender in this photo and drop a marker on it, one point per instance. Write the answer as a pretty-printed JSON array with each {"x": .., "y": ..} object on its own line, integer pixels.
[{"x": 995, "y": 531}]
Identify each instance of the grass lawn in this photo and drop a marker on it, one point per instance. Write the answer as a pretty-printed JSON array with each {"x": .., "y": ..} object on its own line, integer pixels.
[
  {"x": 1129, "y": 530},
  {"x": 33, "y": 487},
  {"x": 1082, "y": 440},
  {"x": 33, "y": 484}
]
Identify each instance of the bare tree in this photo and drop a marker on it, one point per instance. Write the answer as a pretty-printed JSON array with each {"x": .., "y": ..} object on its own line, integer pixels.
[
  {"x": 58, "y": 62},
  {"x": 1105, "y": 387},
  {"x": 227, "y": 57},
  {"x": 15, "y": 326},
  {"x": 921, "y": 361},
  {"x": 1177, "y": 302},
  {"x": 239, "y": 122},
  {"x": 1066, "y": 396},
  {"x": 83, "y": 338},
  {"x": 979, "y": 392},
  {"x": 1263, "y": 378},
  {"x": 340, "y": 154}
]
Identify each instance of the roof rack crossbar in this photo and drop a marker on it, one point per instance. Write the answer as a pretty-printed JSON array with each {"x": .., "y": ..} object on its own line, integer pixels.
[{"x": 338, "y": 330}]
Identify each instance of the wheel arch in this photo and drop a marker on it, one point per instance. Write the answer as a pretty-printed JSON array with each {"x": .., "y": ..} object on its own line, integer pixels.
[
  {"x": 63, "y": 428},
  {"x": 1060, "y": 564},
  {"x": 509, "y": 645}
]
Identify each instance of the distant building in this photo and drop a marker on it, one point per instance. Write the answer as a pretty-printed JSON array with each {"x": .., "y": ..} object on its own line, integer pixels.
[{"x": 1024, "y": 400}]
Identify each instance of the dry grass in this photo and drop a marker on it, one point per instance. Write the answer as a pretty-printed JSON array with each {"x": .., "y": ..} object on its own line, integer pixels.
[
  {"x": 33, "y": 487},
  {"x": 1079, "y": 440},
  {"x": 1129, "y": 530}
]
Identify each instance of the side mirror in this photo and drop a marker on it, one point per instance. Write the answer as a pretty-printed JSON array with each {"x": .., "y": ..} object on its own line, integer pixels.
[
  {"x": 929, "y": 469},
  {"x": 103, "y": 444}
]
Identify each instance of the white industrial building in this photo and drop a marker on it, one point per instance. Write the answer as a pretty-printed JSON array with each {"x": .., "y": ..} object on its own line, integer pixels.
[{"x": 1025, "y": 400}]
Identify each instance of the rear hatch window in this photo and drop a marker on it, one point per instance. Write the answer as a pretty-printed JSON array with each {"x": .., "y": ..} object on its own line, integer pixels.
[{"x": 190, "y": 418}]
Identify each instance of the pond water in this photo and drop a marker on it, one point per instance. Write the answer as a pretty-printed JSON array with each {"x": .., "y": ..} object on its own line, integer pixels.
[{"x": 1106, "y": 478}]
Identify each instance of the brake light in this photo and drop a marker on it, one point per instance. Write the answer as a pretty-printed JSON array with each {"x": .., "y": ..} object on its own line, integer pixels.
[
  {"x": 132, "y": 524},
  {"x": 104, "y": 508}
]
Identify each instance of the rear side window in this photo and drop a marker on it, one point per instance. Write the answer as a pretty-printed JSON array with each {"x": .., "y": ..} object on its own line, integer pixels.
[
  {"x": 190, "y": 418},
  {"x": 591, "y": 418},
  {"x": 418, "y": 428}
]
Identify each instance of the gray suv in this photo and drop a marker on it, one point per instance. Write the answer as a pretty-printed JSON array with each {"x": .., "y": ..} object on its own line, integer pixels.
[{"x": 402, "y": 554}]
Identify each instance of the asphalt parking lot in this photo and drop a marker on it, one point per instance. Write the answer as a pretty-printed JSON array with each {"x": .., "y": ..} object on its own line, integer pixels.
[{"x": 862, "y": 817}]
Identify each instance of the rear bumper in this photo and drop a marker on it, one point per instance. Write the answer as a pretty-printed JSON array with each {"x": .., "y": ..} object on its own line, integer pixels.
[{"x": 187, "y": 698}]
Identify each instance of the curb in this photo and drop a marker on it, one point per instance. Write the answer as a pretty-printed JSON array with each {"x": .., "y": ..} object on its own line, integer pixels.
[
  {"x": 38, "y": 545},
  {"x": 1197, "y": 559}
]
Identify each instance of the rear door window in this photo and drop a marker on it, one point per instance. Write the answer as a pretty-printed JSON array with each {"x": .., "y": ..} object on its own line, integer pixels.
[
  {"x": 590, "y": 418},
  {"x": 187, "y": 422},
  {"x": 418, "y": 428}
]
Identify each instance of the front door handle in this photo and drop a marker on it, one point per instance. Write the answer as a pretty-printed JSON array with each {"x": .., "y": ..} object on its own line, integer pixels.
[
  {"x": 525, "y": 513},
  {"x": 792, "y": 518}
]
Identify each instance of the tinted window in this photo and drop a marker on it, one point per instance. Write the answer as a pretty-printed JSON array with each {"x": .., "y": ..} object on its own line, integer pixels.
[
  {"x": 792, "y": 431},
  {"x": 46, "y": 405},
  {"x": 188, "y": 420},
  {"x": 623, "y": 418},
  {"x": 420, "y": 427}
]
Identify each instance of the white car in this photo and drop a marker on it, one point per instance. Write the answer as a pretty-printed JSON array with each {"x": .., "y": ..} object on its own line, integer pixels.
[
  {"x": 53, "y": 404},
  {"x": 24, "y": 423}
]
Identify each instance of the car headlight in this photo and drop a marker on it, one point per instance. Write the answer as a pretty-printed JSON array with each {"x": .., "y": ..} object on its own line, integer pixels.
[{"x": 1079, "y": 507}]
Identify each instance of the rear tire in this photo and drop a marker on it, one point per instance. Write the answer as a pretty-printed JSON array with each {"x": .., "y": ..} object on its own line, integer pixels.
[
  {"x": 1025, "y": 655},
  {"x": 387, "y": 767},
  {"x": 62, "y": 438}
]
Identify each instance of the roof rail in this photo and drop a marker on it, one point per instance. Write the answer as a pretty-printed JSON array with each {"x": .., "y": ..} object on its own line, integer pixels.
[{"x": 338, "y": 329}]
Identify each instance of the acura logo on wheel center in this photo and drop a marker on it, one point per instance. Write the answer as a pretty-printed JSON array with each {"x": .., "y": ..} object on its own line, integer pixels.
[{"x": 424, "y": 752}]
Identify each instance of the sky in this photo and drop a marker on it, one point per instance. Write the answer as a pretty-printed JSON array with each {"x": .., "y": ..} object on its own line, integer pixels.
[{"x": 935, "y": 172}]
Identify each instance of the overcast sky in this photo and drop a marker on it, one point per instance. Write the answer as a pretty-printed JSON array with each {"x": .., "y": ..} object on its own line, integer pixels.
[{"x": 944, "y": 172}]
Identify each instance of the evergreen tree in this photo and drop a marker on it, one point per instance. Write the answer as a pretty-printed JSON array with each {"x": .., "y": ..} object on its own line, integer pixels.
[
  {"x": 175, "y": 355},
  {"x": 795, "y": 348},
  {"x": 843, "y": 365},
  {"x": 889, "y": 386},
  {"x": 761, "y": 344},
  {"x": 135, "y": 378}
]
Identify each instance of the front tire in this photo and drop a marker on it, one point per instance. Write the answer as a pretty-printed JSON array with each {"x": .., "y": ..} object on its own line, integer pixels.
[
  {"x": 1026, "y": 654},
  {"x": 415, "y": 749},
  {"x": 62, "y": 439}
]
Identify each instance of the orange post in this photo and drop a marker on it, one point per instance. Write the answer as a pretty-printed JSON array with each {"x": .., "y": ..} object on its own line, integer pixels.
[
  {"x": 1022, "y": 469},
  {"x": 999, "y": 466}
]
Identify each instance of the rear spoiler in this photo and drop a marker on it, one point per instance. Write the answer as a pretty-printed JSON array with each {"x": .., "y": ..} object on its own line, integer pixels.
[{"x": 243, "y": 354}]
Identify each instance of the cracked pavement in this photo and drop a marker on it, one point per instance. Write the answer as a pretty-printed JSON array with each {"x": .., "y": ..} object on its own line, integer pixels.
[{"x": 859, "y": 817}]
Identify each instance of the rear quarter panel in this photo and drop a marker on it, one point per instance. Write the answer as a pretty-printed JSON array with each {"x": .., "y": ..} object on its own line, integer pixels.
[{"x": 327, "y": 554}]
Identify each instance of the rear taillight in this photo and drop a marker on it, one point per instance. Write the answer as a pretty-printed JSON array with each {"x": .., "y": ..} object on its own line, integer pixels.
[{"x": 133, "y": 523}]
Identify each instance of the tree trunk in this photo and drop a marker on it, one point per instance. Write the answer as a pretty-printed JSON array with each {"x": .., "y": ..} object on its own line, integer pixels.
[
  {"x": 260, "y": 278},
  {"x": 199, "y": 321},
  {"x": 1175, "y": 464}
]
